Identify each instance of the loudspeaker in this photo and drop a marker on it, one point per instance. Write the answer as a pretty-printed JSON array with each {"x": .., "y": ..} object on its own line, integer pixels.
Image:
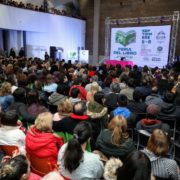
[{"x": 53, "y": 52}]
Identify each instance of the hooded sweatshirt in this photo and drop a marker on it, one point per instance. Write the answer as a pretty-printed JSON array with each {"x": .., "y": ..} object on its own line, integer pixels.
[
  {"x": 163, "y": 167},
  {"x": 42, "y": 144}
]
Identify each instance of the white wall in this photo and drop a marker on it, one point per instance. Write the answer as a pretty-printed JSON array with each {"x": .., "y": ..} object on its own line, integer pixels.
[
  {"x": 44, "y": 30},
  {"x": 1, "y": 39}
]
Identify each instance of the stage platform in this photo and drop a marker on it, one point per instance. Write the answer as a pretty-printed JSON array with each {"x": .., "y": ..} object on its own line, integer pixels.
[{"x": 122, "y": 63}]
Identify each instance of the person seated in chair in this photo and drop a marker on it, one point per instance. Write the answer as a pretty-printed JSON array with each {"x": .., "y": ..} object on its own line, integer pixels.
[
  {"x": 151, "y": 122},
  {"x": 111, "y": 100},
  {"x": 157, "y": 150},
  {"x": 20, "y": 106},
  {"x": 73, "y": 159},
  {"x": 114, "y": 141},
  {"x": 75, "y": 96},
  {"x": 122, "y": 109},
  {"x": 154, "y": 97},
  {"x": 10, "y": 133},
  {"x": 136, "y": 167},
  {"x": 67, "y": 124},
  {"x": 40, "y": 140},
  {"x": 17, "y": 168}
]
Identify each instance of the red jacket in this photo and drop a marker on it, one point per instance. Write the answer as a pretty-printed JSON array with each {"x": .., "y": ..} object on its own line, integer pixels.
[
  {"x": 43, "y": 144},
  {"x": 82, "y": 90}
]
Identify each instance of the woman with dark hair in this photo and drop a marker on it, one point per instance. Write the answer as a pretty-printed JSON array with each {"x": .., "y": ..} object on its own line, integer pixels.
[
  {"x": 34, "y": 106},
  {"x": 157, "y": 150},
  {"x": 10, "y": 133},
  {"x": 20, "y": 106},
  {"x": 18, "y": 168},
  {"x": 99, "y": 97},
  {"x": 74, "y": 161},
  {"x": 136, "y": 167},
  {"x": 114, "y": 141}
]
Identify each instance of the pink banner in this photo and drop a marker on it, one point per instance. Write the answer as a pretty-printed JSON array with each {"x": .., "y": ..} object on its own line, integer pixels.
[{"x": 122, "y": 63}]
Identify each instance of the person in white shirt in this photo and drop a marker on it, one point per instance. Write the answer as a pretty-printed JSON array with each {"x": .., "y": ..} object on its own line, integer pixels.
[{"x": 10, "y": 134}]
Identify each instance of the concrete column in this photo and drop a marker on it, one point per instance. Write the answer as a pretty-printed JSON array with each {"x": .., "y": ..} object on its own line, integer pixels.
[{"x": 97, "y": 4}]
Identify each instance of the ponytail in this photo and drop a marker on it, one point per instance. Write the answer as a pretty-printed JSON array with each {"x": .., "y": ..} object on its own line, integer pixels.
[
  {"x": 118, "y": 127},
  {"x": 116, "y": 137},
  {"x": 73, "y": 155}
]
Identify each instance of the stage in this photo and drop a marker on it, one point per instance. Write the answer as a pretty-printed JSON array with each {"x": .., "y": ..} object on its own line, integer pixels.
[{"x": 123, "y": 63}]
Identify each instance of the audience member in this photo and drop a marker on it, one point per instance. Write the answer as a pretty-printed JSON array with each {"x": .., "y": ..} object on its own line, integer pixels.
[
  {"x": 74, "y": 161},
  {"x": 111, "y": 100},
  {"x": 34, "y": 106},
  {"x": 151, "y": 122},
  {"x": 137, "y": 166},
  {"x": 75, "y": 96},
  {"x": 129, "y": 89},
  {"x": 40, "y": 140},
  {"x": 114, "y": 141},
  {"x": 157, "y": 150},
  {"x": 64, "y": 109},
  {"x": 154, "y": 97},
  {"x": 18, "y": 168},
  {"x": 67, "y": 124},
  {"x": 10, "y": 133},
  {"x": 20, "y": 106},
  {"x": 137, "y": 106},
  {"x": 77, "y": 84},
  {"x": 6, "y": 98},
  {"x": 122, "y": 109},
  {"x": 50, "y": 86}
]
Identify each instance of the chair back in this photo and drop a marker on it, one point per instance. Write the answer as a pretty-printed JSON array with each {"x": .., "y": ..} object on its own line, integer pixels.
[
  {"x": 41, "y": 166},
  {"x": 171, "y": 121},
  {"x": 142, "y": 139},
  {"x": 9, "y": 149},
  {"x": 159, "y": 178},
  {"x": 177, "y": 152}
]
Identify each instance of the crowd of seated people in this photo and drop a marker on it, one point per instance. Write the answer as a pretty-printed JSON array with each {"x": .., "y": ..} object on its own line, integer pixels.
[
  {"x": 78, "y": 119},
  {"x": 41, "y": 8}
]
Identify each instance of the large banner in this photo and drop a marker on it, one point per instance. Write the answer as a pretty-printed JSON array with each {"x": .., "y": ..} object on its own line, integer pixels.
[{"x": 148, "y": 45}]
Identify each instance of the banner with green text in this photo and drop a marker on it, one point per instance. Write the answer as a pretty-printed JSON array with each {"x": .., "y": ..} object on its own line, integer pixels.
[{"x": 148, "y": 45}]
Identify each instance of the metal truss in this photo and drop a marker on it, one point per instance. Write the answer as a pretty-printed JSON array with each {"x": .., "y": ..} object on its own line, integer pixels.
[{"x": 171, "y": 19}]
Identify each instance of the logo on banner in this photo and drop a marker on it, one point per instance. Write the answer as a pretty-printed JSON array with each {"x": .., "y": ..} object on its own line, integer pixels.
[
  {"x": 125, "y": 38},
  {"x": 161, "y": 36},
  {"x": 159, "y": 49}
]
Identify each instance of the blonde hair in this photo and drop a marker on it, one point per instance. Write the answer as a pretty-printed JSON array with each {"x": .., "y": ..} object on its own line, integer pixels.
[
  {"x": 5, "y": 89},
  {"x": 94, "y": 87},
  {"x": 43, "y": 122},
  {"x": 158, "y": 143},
  {"x": 65, "y": 107},
  {"x": 118, "y": 126}
]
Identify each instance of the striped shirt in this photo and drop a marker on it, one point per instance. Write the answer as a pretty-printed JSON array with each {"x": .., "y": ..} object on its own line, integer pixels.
[{"x": 163, "y": 167}]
